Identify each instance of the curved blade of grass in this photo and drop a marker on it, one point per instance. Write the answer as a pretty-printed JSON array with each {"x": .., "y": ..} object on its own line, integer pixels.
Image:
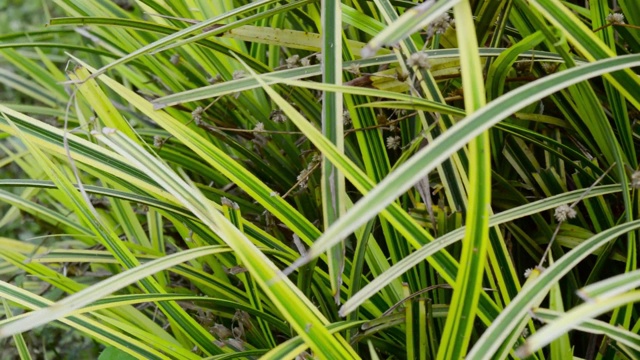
[
  {"x": 133, "y": 299},
  {"x": 98, "y": 190},
  {"x": 42, "y": 212},
  {"x": 184, "y": 32},
  {"x": 426, "y": 104},
  {"x": 408, "y": 23},
  {"x": 102, "y": 289},
  {"x": 499, "y": 69},
  {"x": 594, "y": 327},
  {"x": 69, "y": 47},
  {"x": 38, "y": 34},
  {"x": 612, "y": 286},
  {"x": 167, "y": 207},
  {"x": 229, "y": 27},
  {"x": 573, "y": 318},
  {"x": 505, "y": 323},
  {"x": 173, "y": 351},
  {"x": 247, "y": 83},
  {"x": 451, "y": 141},
  {"x": 35, "y": 266},
  {"x": 50, "y": 139},
  {"x": 143, "y": 26},
  {"x": 83, "y": 324},
  {"x": 466, "y": 293},
  {"x": 414, "y": 105},
  {"x": 21, "y": 258}
]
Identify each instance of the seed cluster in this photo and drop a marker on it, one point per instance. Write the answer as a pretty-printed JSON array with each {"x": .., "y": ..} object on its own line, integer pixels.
[{"x": 615, "y": 18}]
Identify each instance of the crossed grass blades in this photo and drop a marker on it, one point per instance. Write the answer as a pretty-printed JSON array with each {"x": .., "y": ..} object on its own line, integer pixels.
[{"x": 299, "y": 179}]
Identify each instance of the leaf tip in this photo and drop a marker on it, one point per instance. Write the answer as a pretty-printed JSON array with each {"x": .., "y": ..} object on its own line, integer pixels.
[
  {"x": 523, "y": 351},
  {"x": 584, "y": 296},
  {"x": 159, "y": 106}
]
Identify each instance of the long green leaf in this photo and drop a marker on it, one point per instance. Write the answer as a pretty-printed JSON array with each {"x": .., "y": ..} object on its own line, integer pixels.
[
  {"x": 333, "y": 186},
  {"x": 594, "y": 327},
  {"x": 183, "y": 33},
  {"x": 612, "y": 286},
  {"x": 102, "y": 289},
  {"x": 464, "y": 304},
  {"x": 410, "y": 22},
  {"x": 573, "y": 318},
  {"x": 82, "y": 323}
]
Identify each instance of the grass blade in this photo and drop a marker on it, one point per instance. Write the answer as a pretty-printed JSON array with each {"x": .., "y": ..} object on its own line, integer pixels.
[
  {"x": 333, "y": 186},
  {"x": 468, "y": 286}
]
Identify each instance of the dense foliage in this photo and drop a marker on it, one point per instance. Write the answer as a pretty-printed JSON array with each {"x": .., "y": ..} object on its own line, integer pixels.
[{"x": 332, "y": 179}]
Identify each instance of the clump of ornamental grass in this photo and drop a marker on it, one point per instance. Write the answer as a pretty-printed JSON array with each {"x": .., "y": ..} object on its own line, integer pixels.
[{"x": 237, "y": 180}]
